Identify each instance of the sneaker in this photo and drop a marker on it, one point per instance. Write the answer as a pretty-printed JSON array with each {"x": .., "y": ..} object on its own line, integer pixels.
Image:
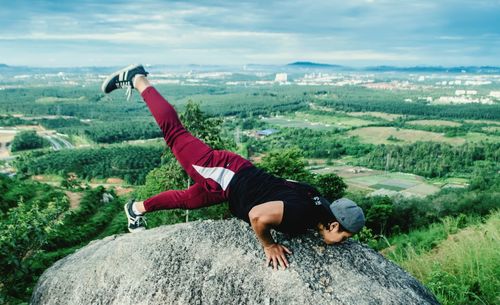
[
  {"x": 136, "y": 222},
  {"x": 123, "y": 79}
]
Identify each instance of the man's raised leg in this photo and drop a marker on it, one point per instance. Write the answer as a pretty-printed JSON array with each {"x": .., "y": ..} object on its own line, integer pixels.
[{"x": 187, "y": 149}]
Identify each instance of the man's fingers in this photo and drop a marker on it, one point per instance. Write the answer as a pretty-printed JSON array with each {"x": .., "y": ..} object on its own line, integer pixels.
[
  {"x": 268, "y": 260},
  {"x": 286, "y": 249},
  {"x": 283, "y": 258},
  {"x": 275, "y": 264},
  {"x": 282, "y": 263}
]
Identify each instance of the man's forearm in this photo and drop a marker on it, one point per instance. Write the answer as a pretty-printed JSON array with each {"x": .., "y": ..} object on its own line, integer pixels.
[{"x": 263, "y": 232}]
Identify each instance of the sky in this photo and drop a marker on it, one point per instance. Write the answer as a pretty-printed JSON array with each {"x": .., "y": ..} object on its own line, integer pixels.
[{"x": 49, "y": 33}]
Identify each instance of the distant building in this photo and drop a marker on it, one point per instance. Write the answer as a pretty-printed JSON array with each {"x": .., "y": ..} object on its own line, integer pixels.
[
  {"x": 266, "y": 132},
  {"x": 495, "y": 94},
  {"x": 281, "y": 78}
]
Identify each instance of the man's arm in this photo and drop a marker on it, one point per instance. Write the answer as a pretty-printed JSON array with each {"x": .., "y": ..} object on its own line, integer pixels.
[{"x": 262, "y": 218}]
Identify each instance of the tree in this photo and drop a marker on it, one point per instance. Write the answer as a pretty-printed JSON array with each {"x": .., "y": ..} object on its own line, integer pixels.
[
  {"x": 331, "y": 186},
  {"x": 287, "y": 163},
  {"x": 27, "y": 140},
  {"x": 201, "y": 126},
  {"x": 379, "y": 213},
  {"x": 22, "y": 234},
  {"x": 171, "y": 176}
]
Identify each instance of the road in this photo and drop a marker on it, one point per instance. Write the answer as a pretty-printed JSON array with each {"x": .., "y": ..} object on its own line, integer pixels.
[{"x": 57, "y": 142}]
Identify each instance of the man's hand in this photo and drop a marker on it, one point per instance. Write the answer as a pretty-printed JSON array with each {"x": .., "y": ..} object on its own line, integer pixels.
[
  {"x": 262, "y": 218},
  {"x": 275, "y": 253}
]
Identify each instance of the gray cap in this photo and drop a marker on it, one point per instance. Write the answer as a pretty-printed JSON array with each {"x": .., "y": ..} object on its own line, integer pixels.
[{"x": 348, "y": 214}]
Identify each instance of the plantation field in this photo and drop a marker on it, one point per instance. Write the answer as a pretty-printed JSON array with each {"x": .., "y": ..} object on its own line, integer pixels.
[
  {"x": 364, "y": 178},
  {"x": 434, "y": 123},
  {"x": 319, "y": 122}
]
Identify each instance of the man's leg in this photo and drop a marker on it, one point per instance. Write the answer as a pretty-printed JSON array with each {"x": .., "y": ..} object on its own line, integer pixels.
[
  {"x": 194, "y": 197},
  {"x": 212, "y": 169}
]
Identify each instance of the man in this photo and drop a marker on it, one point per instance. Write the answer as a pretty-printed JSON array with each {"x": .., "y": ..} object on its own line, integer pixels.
[{"x": 261, "y": 199}]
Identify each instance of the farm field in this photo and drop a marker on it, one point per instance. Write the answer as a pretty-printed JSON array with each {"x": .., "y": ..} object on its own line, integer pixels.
[
  {"x": 434, "y": 123},
  {"x": 54, "y": 100},
  {"x": 483, "y": 122},
  {"x": 357, "y": 177},
  {"x": 477, "y": 137},
  {"x": 6, "y": 136},
  {"x": 315, "y": 121},
  {"x": 380, "y": 135},
  {"x": 491, "y": 129},
  {"x": 380, "y": 115}
]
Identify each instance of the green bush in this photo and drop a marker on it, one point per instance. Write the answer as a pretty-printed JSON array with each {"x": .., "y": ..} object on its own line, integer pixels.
[
  {"x": 27, "y": 140},
  {"x": 86, "y": 222},
  {"x": 23, "y": 233}
]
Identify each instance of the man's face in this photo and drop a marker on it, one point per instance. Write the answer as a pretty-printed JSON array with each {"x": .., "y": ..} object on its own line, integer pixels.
[{"x": 332, "y": 234}]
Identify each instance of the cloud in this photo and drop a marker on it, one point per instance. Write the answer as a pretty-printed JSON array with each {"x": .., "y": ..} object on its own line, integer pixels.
[{"x": 236, "y": 32}]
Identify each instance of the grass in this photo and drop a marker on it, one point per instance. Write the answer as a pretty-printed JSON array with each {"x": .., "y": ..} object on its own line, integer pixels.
[
  {"x": 380, "y": 135},
  {"x": 483, "y": 122},
  {"x": 434, "y": 123},
  {"x": 334, "y": 119},
  {"x": 380, "y": 115},
  {"x": 78, "y": 140},
  {"x": 491, "y": 129},
  {"x": 463, "y": 267},
  {"x": 423, "y": 189},
  {"x": 477, "y": 137},
  {"x": 296, "y": 123},
  {"x": 387, "y": 187},
  {"x": 53, "y": 100},
  {"x": 319, "y": 122}
]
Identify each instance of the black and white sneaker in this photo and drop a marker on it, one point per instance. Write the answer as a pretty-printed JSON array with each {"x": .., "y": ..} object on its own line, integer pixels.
[
  {"x": 123, "y": 79},
  {"x": 136, "y": 222}
]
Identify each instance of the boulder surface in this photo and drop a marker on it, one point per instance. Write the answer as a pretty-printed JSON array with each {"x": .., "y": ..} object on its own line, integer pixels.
[{"x": 222, "y": 262}]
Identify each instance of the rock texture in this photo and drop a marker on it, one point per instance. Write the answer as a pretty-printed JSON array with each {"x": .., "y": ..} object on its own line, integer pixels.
[{"x": 221, "y": 262}]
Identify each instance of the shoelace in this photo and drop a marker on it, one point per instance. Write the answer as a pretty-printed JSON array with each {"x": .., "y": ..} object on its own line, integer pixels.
[
  {"x": 139, "y": 220},
  {"x": 128, "y": 93},
  {"x": 125, "y": 84}
]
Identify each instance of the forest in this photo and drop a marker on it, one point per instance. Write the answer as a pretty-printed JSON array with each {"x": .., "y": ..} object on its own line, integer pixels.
[{"x": 433, "y": 159}]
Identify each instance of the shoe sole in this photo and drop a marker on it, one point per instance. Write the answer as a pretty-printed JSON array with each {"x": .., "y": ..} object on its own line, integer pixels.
[
  {"x": 128, "y": 221},
  {"x": 112, "y": 75}
]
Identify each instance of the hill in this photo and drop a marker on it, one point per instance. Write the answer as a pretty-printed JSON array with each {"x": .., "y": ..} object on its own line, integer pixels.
[{"x": 308, "y": 64}]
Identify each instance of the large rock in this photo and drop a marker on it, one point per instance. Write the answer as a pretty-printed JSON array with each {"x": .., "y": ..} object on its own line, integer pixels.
[{"x": 221, "y": 262}]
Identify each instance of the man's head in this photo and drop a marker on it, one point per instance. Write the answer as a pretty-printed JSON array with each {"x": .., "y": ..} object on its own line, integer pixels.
[{"x": 344, "y": 218}]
